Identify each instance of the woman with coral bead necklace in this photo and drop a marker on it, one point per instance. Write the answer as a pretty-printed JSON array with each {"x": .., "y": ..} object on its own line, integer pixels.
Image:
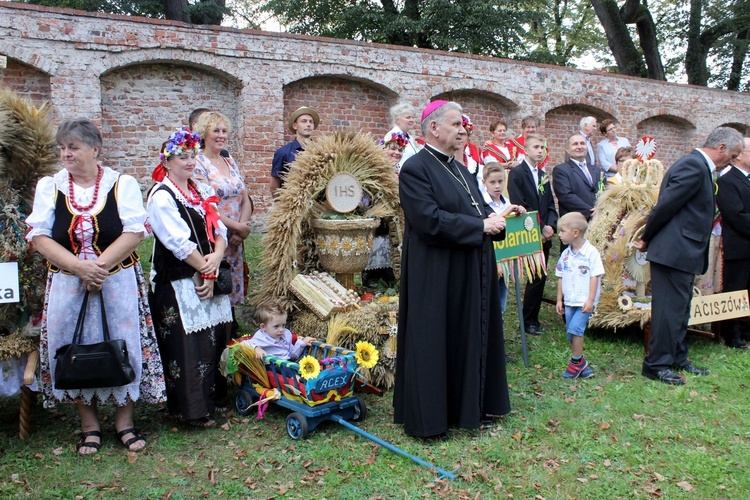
[
  {"x": 87, "y": 222},
  {"x": 189, "y": 246}
]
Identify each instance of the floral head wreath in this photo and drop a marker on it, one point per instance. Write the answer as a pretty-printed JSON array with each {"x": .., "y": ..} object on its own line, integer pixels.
[
  {"x": 467, "y": 124},
  {"x": 400, "y": 139},
  {"x": 181, "y": 140}
]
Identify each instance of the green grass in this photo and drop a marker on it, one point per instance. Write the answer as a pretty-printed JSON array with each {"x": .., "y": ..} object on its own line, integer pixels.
[{"x": 616, "y": 435}]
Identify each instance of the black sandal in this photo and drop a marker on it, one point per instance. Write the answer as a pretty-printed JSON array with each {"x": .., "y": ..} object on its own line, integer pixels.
[
  {"x": 83, "y": 443},
  {"x": 136, "y": 437}
]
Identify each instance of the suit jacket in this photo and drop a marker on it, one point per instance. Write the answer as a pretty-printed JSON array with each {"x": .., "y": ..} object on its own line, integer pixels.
[
  {"x": 573, "y": 191},
  {"x": 733, "y": 199},
  {"x": 522, "y": 191},
  {"x": 679, "y": 226}
]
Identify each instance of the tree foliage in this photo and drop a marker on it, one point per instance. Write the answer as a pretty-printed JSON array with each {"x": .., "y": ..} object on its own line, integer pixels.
[
  {"x": 704, "y": 40},
  {"x": 194, "y": 11},
  {"x": 490, "y": 27}
]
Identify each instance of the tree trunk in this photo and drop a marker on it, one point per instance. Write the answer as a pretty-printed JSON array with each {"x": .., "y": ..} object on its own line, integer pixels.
[
  {"x": 695, "y": 57},
  {"x": 627, "y": 57},
  {"x": 176, "y": 10},
  {"x": 739, "y": 53}
]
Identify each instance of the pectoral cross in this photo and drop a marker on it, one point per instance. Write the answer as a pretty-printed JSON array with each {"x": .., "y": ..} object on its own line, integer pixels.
[{"x": 476, "y": 205}]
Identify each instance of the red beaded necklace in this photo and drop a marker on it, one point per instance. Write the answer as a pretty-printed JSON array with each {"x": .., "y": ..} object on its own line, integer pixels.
[
  {"x": 195, "y": 199},
  {"x": 71, "y": 194}
]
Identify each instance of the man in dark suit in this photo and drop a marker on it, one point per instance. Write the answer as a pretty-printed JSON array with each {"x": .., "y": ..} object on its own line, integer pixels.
[
  {"x": 576, "y": 182},
  {"x": 733, "y": 199},
  {"x": 528, "y": 186},
  {"x": 676, "y": 236}
]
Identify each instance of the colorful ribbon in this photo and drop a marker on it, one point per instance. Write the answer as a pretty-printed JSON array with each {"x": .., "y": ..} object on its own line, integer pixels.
[
  {"x": 212, "y": 217},
  {"x": 159, "y": 173}
]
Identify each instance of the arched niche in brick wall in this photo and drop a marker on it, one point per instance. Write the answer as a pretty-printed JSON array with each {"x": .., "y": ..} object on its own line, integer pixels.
[
  {"x": 563, "y": 121},
  {"x": 482, "y": 108},
  {"x": 342, "y": 101},
  {"x": 26, "y": 81},
  {"x": 742, "y": 128},
  {"x": 143, "y": 103},
  {"x": 675, "y": 136}
]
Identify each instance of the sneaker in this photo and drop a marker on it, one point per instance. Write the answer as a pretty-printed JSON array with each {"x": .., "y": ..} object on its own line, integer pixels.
[{"x": 578, "y": 370}]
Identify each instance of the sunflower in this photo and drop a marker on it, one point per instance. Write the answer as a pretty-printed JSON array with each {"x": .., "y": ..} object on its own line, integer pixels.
[
  {"x": 367, "y": 355},
  {"x": 625, "y": 302},
  {"x": 309, "y": 367}
]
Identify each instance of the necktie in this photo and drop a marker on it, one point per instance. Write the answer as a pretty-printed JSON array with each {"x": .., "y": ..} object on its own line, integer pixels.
[{"x": 586, "y": 173}]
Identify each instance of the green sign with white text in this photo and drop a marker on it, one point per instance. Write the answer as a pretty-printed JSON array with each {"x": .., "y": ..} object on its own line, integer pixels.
[{"x": 522, "y": 237}]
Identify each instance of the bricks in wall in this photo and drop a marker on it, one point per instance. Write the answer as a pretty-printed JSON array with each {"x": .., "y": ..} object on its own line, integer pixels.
[{"x": 139, "y": 78}]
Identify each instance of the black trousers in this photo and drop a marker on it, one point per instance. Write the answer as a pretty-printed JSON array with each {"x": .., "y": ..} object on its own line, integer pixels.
[
  {"x": 532, "y": 297},
  {"x": 736, "y": 277},
  {"x": 671, "y": 292}
]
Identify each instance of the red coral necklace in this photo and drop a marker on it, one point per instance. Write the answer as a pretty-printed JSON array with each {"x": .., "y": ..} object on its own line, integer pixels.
[
  {"x": 195, "y": 199},
  {"x": 71, "y": 194}
]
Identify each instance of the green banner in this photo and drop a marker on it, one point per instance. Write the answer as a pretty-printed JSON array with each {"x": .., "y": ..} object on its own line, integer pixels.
[{"x": 522, "y": 237}]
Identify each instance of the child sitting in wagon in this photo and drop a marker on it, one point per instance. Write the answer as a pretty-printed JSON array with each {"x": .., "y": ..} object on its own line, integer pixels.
[{"x": 273, "y": 338}]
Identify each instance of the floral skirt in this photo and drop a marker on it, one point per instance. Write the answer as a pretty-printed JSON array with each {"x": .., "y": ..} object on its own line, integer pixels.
[{"x": 129, "y": 318}]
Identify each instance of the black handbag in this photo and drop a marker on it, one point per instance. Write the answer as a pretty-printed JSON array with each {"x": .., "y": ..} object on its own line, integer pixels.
[
  {"x": 223, "y": 284},
  {"x": 91, "y": 366}
]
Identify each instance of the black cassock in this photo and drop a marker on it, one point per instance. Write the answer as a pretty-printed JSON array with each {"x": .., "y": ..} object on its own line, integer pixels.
[{"x": 450, "y": 367}]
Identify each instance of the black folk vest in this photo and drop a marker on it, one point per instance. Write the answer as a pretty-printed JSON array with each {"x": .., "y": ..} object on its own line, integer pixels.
[{"x": 107, "y": 228}]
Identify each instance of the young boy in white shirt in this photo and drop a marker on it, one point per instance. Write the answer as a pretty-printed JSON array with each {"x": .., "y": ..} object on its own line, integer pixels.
[
  {"x": 579, "y": 270},
  {"x": 494, "y": 183}
]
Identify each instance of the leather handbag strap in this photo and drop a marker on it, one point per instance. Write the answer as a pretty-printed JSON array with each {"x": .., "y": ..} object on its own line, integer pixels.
[{"x": 82, "y": 319}]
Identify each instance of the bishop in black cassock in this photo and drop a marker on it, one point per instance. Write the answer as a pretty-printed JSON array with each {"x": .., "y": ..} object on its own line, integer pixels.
[{"x": 450, "y": 369}]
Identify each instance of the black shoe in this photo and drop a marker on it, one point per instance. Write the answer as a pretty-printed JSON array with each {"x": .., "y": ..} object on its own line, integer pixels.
[
  {"x": 737, "y": 344},
  {"x": 666, "y": 376},
  {"x": 534, "y": 329},
  {"x": 488, "y": 421},
  {"x": 443, "y": 436},
  {"x": 689, "y": 368}
]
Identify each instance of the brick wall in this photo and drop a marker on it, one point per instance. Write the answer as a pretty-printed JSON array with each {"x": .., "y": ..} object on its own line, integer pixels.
[
  {"x": 143, "y": 104},
  {"x": 139, "y": 78},
  {"x": 26, "y": 81}
]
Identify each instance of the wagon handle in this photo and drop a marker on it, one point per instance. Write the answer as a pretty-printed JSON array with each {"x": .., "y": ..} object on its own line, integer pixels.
[{"x": 442, "y": 473}]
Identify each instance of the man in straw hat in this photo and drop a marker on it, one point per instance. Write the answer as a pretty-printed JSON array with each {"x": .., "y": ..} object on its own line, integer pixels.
[
  {"x": 450, "y": 368},
  {"x": 302, "y": 122}
]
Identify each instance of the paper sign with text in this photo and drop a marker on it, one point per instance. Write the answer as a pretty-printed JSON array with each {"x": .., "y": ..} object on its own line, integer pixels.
[
  {"x": 522, "y": 237},
  {"x": 719, "y": 306},
  {"x": 9, "y": 282}
]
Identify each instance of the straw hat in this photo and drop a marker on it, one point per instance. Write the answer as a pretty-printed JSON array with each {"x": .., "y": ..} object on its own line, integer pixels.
[{"x": 304, "y": 110}]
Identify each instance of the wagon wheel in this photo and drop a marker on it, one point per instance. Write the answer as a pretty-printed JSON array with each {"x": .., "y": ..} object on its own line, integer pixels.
[
  {"x": 296, "y": 426},
  {"x": 243, "y": 401},
  {"x": 360, "y": 409}
]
